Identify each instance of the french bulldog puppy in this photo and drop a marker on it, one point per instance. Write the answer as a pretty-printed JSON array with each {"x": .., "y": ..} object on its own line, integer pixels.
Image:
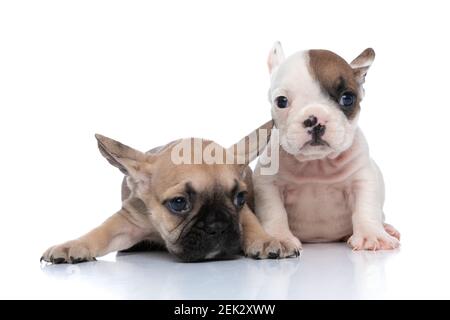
[
  {"x": 327, "y": 187},
  {"x": 197, "y": 210}
]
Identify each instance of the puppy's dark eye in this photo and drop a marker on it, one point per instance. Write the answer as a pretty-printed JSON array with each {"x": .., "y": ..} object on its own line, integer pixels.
[
  {"x": 240, "y": 199},
  {"x": 281, "y": 102},
  {"x": 347, "y": 99},
  {"x": 178, "y": 205}
]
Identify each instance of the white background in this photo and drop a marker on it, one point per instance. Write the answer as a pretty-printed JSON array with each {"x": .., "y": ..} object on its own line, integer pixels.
[{"x": 147, "y": 72}]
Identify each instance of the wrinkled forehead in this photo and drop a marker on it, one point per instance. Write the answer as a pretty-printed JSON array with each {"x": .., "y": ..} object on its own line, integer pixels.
[
  {"x": 200, "y": 177},
  {"x": 313, "y": 73}
]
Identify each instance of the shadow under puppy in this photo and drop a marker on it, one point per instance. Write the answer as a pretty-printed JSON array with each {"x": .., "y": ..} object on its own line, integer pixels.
[
  {"x": 327, "y": 188},
  {"x": 197, "y": 210}
]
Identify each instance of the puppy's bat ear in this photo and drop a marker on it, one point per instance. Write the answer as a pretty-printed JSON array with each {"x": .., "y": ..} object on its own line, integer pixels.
[
  {"x": 129, "y": 161},
  {"x": 276, "y": 56},
  {"x": 362, "y": 63},
  {"x": 251, "y": 146}
]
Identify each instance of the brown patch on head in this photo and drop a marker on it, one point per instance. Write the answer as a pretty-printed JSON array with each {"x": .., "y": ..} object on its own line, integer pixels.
[{"x": 335, "y": 76}]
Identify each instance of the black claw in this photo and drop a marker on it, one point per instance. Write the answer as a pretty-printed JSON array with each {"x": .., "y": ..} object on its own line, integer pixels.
[
  {"x": 274, "y": 255},
  {"x": 74, "y": 260},
  {"x": 295, "y": 254},
  {"x": 256, "y": 255},
  {"x": 42, "y": 258},
  {"x": 77, "y": 260},
  {"x": 58, "y": 260}
]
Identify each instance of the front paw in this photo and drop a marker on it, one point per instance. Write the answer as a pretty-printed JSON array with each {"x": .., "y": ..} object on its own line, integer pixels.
[
  {"x": 373, "y": 240},
  {"x": 268, "y": 247},
  {"x": 265, "y": 247},
  {"x": 70, "y": 252},
  {"x": 291, "y": 247}
]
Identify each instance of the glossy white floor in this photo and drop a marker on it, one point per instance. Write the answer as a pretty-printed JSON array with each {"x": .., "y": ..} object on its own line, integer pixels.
[{"x": 324, "y": 271}]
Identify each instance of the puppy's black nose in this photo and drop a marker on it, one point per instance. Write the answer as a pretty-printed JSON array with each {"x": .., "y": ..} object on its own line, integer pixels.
[
  {"x": 318, "y": 131},
  {"x": 316, "y": 135},
  {"x": 216, "y": 228},
  {"x": 310, "y": 122},
  {"x": 214, "y": 223}
]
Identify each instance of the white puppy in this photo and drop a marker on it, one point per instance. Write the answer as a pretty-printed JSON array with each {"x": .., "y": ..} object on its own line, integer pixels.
[{"x": 327, "y": 187}]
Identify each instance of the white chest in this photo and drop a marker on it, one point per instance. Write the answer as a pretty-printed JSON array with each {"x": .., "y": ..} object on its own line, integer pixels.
[
  {"x": 318, "y": 212},
  {"x": 318, "y": 196}
]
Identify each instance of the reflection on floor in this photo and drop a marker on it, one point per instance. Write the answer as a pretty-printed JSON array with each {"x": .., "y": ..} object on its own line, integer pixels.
[{"x": 324, "y": 271}]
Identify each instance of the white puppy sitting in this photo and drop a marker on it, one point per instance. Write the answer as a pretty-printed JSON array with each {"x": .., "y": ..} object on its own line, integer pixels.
[{"x": 327, "y": 187}]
